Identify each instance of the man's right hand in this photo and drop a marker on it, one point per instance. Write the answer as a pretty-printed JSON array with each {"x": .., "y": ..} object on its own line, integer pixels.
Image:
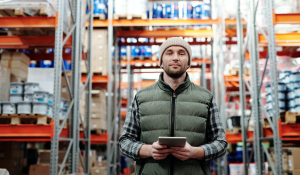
[{"x": 159, "y": 152}]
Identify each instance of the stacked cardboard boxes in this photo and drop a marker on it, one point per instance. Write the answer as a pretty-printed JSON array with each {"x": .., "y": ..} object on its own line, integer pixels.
[
  {"x": 4, "y": 83},
  {"x": 290, "y": 160},
  {"x": 99, "y": 54},
  {"x": 12, "y": 157},
  {"x": 98, "y": 110},
  {"x": 18, "y": 63}
]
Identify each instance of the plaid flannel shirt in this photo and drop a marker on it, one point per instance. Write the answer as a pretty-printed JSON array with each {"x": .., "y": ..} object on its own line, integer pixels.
[{"x": 215, "y": 148}]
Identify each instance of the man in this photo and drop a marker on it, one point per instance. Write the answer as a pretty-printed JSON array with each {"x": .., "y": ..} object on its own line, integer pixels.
[{"x": 173, "y": 107}]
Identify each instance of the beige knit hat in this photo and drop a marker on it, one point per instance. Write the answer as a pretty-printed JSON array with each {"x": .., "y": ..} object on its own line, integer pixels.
[{"x": 175, "y": 41}]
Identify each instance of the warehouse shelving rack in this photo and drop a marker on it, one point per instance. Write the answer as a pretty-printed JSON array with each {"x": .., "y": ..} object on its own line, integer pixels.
[{"x": 276, "y": 133}]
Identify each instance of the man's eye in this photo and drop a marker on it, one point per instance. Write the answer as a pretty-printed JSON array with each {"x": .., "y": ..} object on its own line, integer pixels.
[{"x": 169, "y": 53}]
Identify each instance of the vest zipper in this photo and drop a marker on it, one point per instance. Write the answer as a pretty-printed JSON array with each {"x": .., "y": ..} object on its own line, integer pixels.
[{"x": 172, "y": 131}]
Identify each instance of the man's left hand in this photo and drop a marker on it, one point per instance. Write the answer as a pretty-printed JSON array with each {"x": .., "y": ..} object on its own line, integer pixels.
[{"x": 183, "y": 153}]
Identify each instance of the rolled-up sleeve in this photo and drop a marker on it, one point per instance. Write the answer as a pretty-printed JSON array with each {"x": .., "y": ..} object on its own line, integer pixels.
[
  {"x": 129, "y": 142},
  {"x": 216, "y": 142}
]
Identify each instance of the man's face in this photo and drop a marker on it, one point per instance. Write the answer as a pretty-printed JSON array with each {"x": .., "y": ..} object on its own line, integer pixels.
[{"x": 175, "y": 61}]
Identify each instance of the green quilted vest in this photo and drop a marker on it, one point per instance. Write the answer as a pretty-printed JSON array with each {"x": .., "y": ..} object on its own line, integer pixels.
[{"x": 179, "y": 113}]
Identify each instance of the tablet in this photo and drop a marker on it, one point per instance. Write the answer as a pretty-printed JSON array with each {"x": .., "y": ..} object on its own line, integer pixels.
[{"x": 172, "y": 141}]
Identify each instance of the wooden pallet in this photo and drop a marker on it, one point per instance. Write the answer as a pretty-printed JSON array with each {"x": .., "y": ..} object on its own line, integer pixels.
[
  {"x": 17, "y": 119},
  {"x": 19, "y": 13},
  {"x": 235, "y": 130},
  {"x": 100, "y": 17},
  {"x": 130, "y": 17}
]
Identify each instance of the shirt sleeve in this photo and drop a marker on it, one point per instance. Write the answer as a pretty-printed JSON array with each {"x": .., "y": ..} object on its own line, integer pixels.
[
  {"x": 129, "y": 142},
  {"x": 216, "y": 142}
]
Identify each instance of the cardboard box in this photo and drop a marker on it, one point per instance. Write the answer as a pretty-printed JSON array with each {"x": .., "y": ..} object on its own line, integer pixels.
[
  {"x": 43, "y": 169},
  {"x": 12, "y": 165},
  {"x": 10, "y": 145},
  {"x": 4, "y": 83},
  {"x": 44, "y": 156},
  {"x": 98, "y": 171},
  {"x": 83, "y": 66},
  {"x": 293, "y": 158},
  {"x": 64, "y": 88},
  {"x": 43, "y": 76},
  {"x": 97, "y": 123},
  {"x": 99, "y": 46},
  {"x": 294, "y": 172},
  {"x": 16, "y": 60}
]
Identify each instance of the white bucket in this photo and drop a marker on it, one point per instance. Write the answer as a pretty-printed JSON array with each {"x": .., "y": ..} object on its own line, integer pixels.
[
  {"x": 281, "y": 103},
  {"x": 297, "y": 100},
  {"x": 64, "y": 103},
  {"x": 268, "y": 97},
  {"x": 50, "y": 99},
  {"x": 9, "y": 107},
  {"x": 296, "y": 83},
  {"x": 50, "y": 110},
  {"x": 41, "y": 96},
  {"x": 24, "y": 107},
  {"x": 297, "y": 91},
  {"x": 16, "y": 88},
  {"x": 281, "y": 86},
  {"x": 31, "y": 87},
  {"x": 15, "y": 97},
  {"x": 269, "y": 105},
  {"x": 295, "y": 76},
  {"x": 62, "y": 113},
  {"x": 28, "y": 97},
  {"x": 39, "y": 107},
  {"x": 297, "y": 108},
  {"x": 281, "y": 95}
]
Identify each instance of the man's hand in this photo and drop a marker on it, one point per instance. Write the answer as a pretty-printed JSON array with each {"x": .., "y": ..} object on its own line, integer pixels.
[
  {"x": 188, "y": 152},
  {"x": 159, "y": 152}
]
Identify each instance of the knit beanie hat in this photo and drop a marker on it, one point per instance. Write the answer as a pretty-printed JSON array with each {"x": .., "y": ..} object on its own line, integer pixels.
[{"x": 175, "y": 41}]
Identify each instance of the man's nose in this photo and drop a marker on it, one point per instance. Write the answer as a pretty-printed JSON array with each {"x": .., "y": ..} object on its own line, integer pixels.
[{"x": 175, "y": 57}]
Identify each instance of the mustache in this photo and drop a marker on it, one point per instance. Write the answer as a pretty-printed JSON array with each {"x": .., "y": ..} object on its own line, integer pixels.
[{"x": 177, "y": 63}]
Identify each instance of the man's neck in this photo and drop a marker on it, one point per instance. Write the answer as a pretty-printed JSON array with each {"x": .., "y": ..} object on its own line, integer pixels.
[{"x": 174, "y": 82}]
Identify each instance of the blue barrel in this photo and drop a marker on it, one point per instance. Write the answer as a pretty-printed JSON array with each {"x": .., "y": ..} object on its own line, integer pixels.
[
  {"x": 68, "y": 50},
  {"x": 46, "y": 64},
  {"x": 100, "y": 7},
  {"x": 157, "y": 11},
  {"x": 206, "y": 11},
  {"x": 135, "y": 51},
  {"x": 67, "y": 64},
  {"x": 142, "y": 50},
  {"x": 148, "y": 51},
  {"x": 123, "y": 51},
  {"x": 33, "y": 63},
  {"x": 187, "y": 11},
  {"x": 171, "y": 11},
  {"x": 198, "y": 11},
  {"x": 175, "y": 9}
]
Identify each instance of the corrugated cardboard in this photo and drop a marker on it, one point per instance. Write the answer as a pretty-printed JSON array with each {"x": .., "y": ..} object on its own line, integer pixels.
[
  {"x": 294, "y": 159},
  {"x": 97, "y": 123},
  {"x": 15, "y": 60},
  {"x": 64, "y": 88},
  {"x": 294, "y": 172},
  {"x": 43, "y": 76},
  {"x": 99, "y": 46},
  {"x": 44, "y": 156},
  {"x": 98, "y": 171},
  {"x": 4, "y": 83}
]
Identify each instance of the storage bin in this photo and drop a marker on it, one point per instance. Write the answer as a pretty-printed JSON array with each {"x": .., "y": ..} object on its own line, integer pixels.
[
  {"x": 64, "y": 103},
  {"x": 295, "y": 76},
  {"x": 28, "y": 97},
  {"x": 9, "y": 107},
  {"x": 50, "y": 99},
  {"x": 296, "y": 91},
  {"x": 41, "y": 96},
  {"x": 40, "y": 108},
  {"x": 283, "y": 73},
  {"x": 16, "y": 88},
  {"x": 24, "y": 107},
  {"x": 291, "y": 94},
  {"x": 50, "y": 110},
  {"x": 15, "y": 97},
  {"x": 234, "y": 121},
  {"x": 31, "y": 87}
]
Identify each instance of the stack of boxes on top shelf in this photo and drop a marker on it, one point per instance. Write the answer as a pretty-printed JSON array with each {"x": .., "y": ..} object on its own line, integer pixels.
[
  {"x": 99, "y": 54},
  {"x": 290, "y": 160},
  {"x": 288, "y": 95}
]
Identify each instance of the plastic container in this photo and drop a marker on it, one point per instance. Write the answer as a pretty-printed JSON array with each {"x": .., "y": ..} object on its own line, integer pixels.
[
  {"x": 187, "y": 10},
  {"x": 135, "y": 51},
  {"x": 15, "y": 97},
  {"x": 291, "y": 102},
  {"x": 206, "y": 10},
  {"x": 39, "y": 107},
  {"x": 50, "y": 110},
  {"x": 295, "y": 76},
  {"x": 297, "y": 108},
  {"x": 41, "y": 96},
  {"x": 28, "y": 97},
  {"x": 293, "y": 109},
  {"x": 281, "y": 95},
  {"x": 269, "y": 105},
  {"x": 157, "y": 11},
  {"x": 234, "y": 121},
  {"x": 16, "y": 88},
  {"x": 62, "y": 113},
  {"x": 50, "y": 99},
  {"x": 31, "y": 87},
  {"x": 283, "y": 109},
  {"x": 281, "y": 104},
  {"x": 297, "y": 100},
  {"x": 283, "y": 73},
  {"x": 100, "y": 7},
  {"x": 171, "y": 11},
  {"x": 281, "y": 86},
  {"x": 9, "y": 107},
  {"x": 291, "y": 94},
  {"x": 64, "y": 103},
  {"x": 295, "y": 83},
  {"x": 296, "y": 91},
  {"x": 24, "y": 107},
  {"x": 198, "y": 12},
  {"x": 269, "y": 97}
]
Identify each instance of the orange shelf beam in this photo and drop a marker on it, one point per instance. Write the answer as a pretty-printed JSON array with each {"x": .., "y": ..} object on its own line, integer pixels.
[
  {"x": 165, "y": 33},
  {"x": 27, "y": 22},
  {"x": 292, "y": 18},
  {"x": 123, "y": 114},
  {"x": 96, "y": 79},
  {"x": 161, "y": 22},
  {"x": 289, "y": 39},
  {"x": 24, "y": 42},
  {"x": 97, "y": 139}
]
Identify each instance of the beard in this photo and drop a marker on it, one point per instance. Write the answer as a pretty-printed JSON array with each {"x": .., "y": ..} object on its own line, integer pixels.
[{"x": 175, "y": 73}]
